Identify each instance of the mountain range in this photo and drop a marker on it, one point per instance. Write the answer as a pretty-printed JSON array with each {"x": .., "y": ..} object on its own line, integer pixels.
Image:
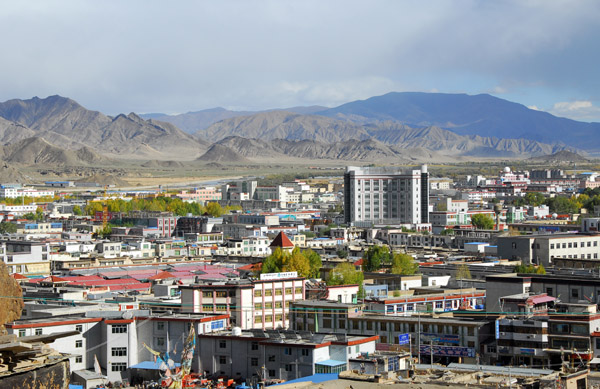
[{"x": 396, "y": 127}]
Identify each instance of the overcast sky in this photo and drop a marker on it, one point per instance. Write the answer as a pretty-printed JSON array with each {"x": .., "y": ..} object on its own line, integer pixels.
[{"x": 178, "y": 56}]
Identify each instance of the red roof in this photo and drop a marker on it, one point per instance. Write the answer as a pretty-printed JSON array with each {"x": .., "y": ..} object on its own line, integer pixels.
[
  {"x": 18, "y": 276},
  {"x": 281, "y": 240},
  {"x": 162, "y": 276},
  {"x": 251, "y": 266},
  {"x": 54, "y": 279},
  {"x": 359, "y": 262}
]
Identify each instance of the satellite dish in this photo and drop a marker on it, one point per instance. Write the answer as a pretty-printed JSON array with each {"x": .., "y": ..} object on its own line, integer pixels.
[{"x": 127, "y": 315}]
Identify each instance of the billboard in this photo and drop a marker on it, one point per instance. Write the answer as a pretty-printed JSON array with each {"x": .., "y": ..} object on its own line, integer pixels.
[
  {"x": 277, "y": 276},
  {"x": 448, "y": 351}
]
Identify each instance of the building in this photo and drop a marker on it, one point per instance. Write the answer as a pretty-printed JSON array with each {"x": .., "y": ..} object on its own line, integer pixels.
[
  {"x": 386, "y": 195},
  {"x": 260, "y": 304},
  {"x": 282, "y": 355}
]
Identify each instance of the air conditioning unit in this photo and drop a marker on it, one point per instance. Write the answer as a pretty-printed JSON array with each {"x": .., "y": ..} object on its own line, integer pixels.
[{"x": 502, "y": 333}]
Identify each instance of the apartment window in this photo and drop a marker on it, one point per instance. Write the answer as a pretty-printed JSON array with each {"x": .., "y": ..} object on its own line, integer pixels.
[
  {"x": 278, "y": 304},
  {"x": 268, "y": 305},
  {"x": 271, "y": 358},
  {"x": 207, "y": 294},
  {"x": 551, "y": 246},
  {"x": 258, "y": 319},
  {"x": 288, "y": 290},
  {"x": 287, "y": 350},
  {"x": 119, "y": 328},
  {"x": 119, "y": 366},
  {"x": 160, "y": 326},
  {"x": 253, "y": 361},
  {"x": 268, "y": 292},
  {"x": 271, "y": 373},
  {"x": 78, "y": 359},
  {"x": 278, "y": 317},
  {"x": 222, "y": 359},
  {"x": 258, "y": 306},
  {"x": 21, "y": 333},
  {"x": 222, "y": 294},
  {"x": 254, "y": 346},
  {"x": 222, "y": 344},
  {"x": 221, "y": 308},
  {"x": 574, "y": 293},
  {"x": 298, "y": 290},
  {"x": 305, "y": 352},
  {"x": 268, "y": 318},
  {"x": 38, "y": 331},
  {"x": 119, "y": 351},
  {"x": 79, "y": 328},
  {"x": 288, "y": 367},
  {"x": 78, "y": 343},
  {"x": 160, "y": 341},
  {"x": 549, "y": 291}
]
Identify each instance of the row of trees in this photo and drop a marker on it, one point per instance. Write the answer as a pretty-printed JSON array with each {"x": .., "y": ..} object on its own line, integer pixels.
[
  {"x": 562, "y": 204},
  {"x": 159, "y": 204},
  {"x": 306, "y": 262},
  {"x": 377, "y": 256}
]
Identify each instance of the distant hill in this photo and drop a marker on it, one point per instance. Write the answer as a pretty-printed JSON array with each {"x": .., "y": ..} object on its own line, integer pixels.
[
  {"x": 481, "y": 115},
  {"x": 37, "y": 151},
  {"x": 561, "y": 156},
  {"x": 61, "y": 121},
  {"x": 221, "y": 153},
  {"x": 269, "y": 126}
]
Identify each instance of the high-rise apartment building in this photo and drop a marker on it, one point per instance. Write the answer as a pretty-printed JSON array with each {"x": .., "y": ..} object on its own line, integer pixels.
[{"x": 386, "y": 195}]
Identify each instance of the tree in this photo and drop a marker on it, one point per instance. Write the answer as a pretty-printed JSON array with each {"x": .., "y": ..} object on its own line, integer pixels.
[
  {"x": 404, "y": 264},
  {"x": 540, "y": 269},
  {"x": 463, "y": 272},
  {"x": 92, "y": 208},
  {"x": 274, "y": 262},
  {"x": 341, "y": 253},
  {"x": 534, "y": 198},
  {"x": 345, "y": 274},
  {"x": 298, "y": 263},
  {"x": 214, "y": 209},
  {"x": 375, "y": 256},
  {"x": 8, "y": 228},
  {"x": 39, "y": 214},
  {"x": 104, "y": 232},
  {"x": 482, "y": 221},
  {"x": 29, "y": 216},
  {"x": 77, "y": 210},
  {"x": 315, "y": 262}
]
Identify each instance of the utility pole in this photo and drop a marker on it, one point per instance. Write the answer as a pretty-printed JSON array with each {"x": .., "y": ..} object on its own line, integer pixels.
[{"x": 419, "y": 337}]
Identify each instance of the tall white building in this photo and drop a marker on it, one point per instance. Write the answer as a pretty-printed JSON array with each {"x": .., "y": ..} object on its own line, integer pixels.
[{"x": 386, "y": 195}]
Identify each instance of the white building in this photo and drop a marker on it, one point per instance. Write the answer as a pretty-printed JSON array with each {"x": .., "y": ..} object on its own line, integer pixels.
[
  {"x": 261, "y": 304},
  {"x": 386, "y": 195}
]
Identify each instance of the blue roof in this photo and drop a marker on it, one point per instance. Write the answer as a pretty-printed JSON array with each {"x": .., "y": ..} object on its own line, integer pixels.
[
  {"x": 477, "y": 243},
  {"x": 149, "y": 365},
  {"x": 330, "y": 362},
  {"x": 315, "y": 378}
]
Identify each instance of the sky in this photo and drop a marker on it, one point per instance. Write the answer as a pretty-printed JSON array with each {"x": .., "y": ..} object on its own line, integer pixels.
[{"x": 180, "y": 56}]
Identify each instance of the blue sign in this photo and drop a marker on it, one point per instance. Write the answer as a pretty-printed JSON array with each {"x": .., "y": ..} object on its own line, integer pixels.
[
  {"x": 216, "y": 325},
  {"x": 404, "y": 339},
  {"x": 497, "y": 329}
]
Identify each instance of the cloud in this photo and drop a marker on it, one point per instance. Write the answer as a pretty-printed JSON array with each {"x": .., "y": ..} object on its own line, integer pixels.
[{"x": 578, "y": 110}]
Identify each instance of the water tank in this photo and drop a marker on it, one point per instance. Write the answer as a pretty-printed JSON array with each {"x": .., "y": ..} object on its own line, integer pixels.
[{"x": 237, "y": 331}]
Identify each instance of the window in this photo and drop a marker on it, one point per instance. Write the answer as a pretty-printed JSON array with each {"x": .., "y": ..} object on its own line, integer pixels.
[
  {"x": 119, "y": 328},
  {"x": 222, "y": 294},
  {"x": 287, "y": 350},
  {"x": 253, "y": 361},
  {"x": 271, "y": 358},
  {"x": 222, "y": 344},
  {"x": 222, "y": 359},
  {"x": 119, "y": 351},
  {"x": 288, "y": 290},
  {"x": 254, "y": 346},
  {"x": 78, "y": 359},
  {"x": 288, "y": 367},
  {"x": 119, "y": 366},
  {"x": 268, "y": 305},
  {"x": 574, "y": 293},
  {"x": 160, "y": 326},
  {"x": 207, "y": 294},
  {"x": 78, "y": 343},
  {"x": 277, "y": 304},
  {"x": 268, "y": 292},
  {"x": 268, "y": 318},
  {"x": 160, "y": 341},
  {"x": 79, "y": 328},
  {"x": 38, "y": 331},
  {"x": 298, "y": 290},
  {"x": 257, "y": 293},
  {"x": 549, "y": 291},
  {"x": 305, "y": 352},
  {"x": 21, "y": 333},
  {"x": 271, "y": 373}
]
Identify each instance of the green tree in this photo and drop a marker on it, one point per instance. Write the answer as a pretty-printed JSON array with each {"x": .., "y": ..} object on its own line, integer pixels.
[
  {"x": 274, "y": 262},
  {"x": 8, "y": 228},
  {"x": 540, "y": 269},
  {"x": 375, "y": 256},
  {"x": 482, "y": 221},
  {"x": 463, "y": 272},
  {"x": 39, "y": 214},
  {"x": 92, "y": 208},
  {"x": 341, "y": 253},
  {"x": 345, "y": 274},
  {"x": 534, "y": 198},
  {"x": 404, "y": 264},
  {"x": 77, "y": 210},
  {"x": 315, "y": 262},
  {"x": 104, "y": 232},
  {"x": 29, "y": 216}
]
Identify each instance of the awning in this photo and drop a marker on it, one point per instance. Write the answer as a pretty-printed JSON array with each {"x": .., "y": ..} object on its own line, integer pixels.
[
  {"x": 595, "y": 360},
  {"x": 330, "y": 362},
  {"x": 150, "y": 365}
]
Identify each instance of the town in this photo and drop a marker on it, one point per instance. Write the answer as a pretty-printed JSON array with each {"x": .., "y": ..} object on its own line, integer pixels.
[{"x": 373, "y": 274}]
